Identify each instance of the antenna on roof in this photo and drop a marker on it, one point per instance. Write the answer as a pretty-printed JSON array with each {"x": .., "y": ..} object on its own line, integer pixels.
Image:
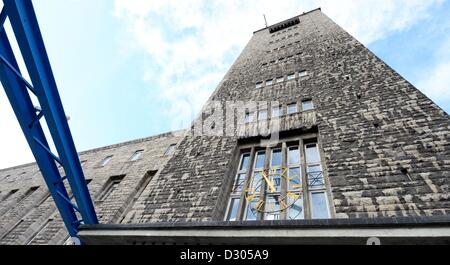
[{"x": 265, "y": 20}]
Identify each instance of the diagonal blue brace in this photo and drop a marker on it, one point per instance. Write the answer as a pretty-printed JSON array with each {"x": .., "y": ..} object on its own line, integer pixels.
[{"x": 26, "y": 30}]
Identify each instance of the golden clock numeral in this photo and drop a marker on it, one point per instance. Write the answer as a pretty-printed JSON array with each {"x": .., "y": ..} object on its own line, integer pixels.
[
  {"x": 283, "y": 204},
  {"x": 259, "y": 205}
]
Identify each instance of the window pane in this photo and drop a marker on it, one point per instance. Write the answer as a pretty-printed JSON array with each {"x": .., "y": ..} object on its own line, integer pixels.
[
  {"x": 291, "y": 76},
  {"x": 276, "y": 158},
  {"x": 239, "y": 183},
  {"x": 233, "y": 209},
  {"x": 312, "y": 153},
  {"x": 295, "y": 178},
  {"x": 258, "y": 85},
  {"x": 295, "y": 210},
  {"x": 277, "y": 112},
  {"x": 307, "y": 105},
  {"x": 292, "y": 108},
  {"x": 136, "y": 155},
  {"x": 262, "y": 115},
  {"x": 275, "y": 178},
  {"x": 319, "y": 207},
  {"x": 244, "y": 162},
  {"x": 269, "y": 82},
  {"x": 303, "y": 73},
  {"x": 293, "y": 156},
  {"x": 280, "y": 79},
  {"x": 106, "y": 161},
  {"x": 260, "y": 159},
  {"x": 255, "y": 186},
  {"x": 248, "y": 117},
  {"x": 251, "y": 213},
  {"x": 272, "y": 207},
  {"x": 315, "y": 177}
]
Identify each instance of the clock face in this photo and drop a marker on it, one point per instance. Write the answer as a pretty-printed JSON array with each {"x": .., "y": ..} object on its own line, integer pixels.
[{"x": 272, "y": 201}]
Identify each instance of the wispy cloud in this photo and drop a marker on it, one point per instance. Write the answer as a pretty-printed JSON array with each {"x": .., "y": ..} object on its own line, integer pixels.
[
  {"x": 435, "y": 82},
  {"x": 189, "y": 45}
]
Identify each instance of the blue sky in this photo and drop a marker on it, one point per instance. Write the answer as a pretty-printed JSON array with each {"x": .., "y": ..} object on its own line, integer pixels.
[{"x": 128, "y": 69}]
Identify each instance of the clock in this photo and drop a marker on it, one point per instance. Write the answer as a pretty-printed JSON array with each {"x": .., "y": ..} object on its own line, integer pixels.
[{"x": 272, "y": 201}]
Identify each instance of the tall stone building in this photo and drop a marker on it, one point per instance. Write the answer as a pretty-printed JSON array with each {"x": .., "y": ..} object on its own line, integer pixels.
[{"x": 309, "y": 138}]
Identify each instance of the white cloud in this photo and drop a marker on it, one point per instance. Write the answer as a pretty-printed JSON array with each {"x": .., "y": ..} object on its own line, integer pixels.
[
  {"x": 435, "y": 82},
  {"x": 193, "y": 43}
]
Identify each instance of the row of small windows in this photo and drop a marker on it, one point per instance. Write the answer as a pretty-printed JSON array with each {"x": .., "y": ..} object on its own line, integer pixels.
[
  {"x": 289, "y": 185},
  {"x": 278, "y": 111},
  {"x": 137, "y": 155},
  {"x": 281, "y": 79},
  {"x": 282, "y": 60},
  {"x": 283, "y": 47},
  {"x": 283, "y": 38},
  {"x": 284, "y": 31}
]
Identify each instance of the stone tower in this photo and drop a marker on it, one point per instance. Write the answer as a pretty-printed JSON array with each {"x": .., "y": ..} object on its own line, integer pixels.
[{"x": 307, "y": 128}]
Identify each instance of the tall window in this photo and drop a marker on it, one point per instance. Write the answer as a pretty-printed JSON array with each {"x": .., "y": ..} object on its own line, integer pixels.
[{"x": 284, "y": 182}]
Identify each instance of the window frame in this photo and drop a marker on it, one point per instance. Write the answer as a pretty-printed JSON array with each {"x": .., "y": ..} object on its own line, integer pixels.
[
  {"x": 292, "y": 104},
  {"x": 136, "y": 155},
  {"x": 312, "y": 105},
  {"x": 287, "y": 143}
]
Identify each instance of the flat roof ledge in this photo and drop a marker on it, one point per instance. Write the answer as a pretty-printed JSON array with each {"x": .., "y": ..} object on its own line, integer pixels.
[{"x": 395, "y": 230}]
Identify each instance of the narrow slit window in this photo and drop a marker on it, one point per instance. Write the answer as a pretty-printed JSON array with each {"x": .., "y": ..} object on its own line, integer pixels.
[
  {"x": 269, "y": 82},
  {"x": 259, "y": 85},
  {"x": 280, "y": 79},
  {"x": 248, "y": 117},
  {"x": 110, "y": 187}
]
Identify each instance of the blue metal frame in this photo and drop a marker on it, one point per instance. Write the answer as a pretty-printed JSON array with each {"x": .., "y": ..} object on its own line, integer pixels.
[{"x": 26, "y": 30}]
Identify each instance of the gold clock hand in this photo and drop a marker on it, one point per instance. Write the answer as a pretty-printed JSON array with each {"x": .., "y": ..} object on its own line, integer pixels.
[{"x": 270, "y": 183}]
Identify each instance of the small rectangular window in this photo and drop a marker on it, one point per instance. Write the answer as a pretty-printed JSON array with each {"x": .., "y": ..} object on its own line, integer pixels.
[
  {"x": 260, "y": 160},
  {"x": 269, "y": 82},
  {"x": 293, "y": 155},
  {"x": 106, "y": 161},
  {"x": 291, "y": 76},
  {"x": 262, "y": 115},
  {"x": 280, "y": 79},
  {"x": 276, "y": 158},
  {"x": 307, "y": 105},
  {"x": 292, "y": 108},
  {"x": 319, "y": 205},
  {"x": 258, "y": 85},
  {"x": 136, "y": 155},
  {"x": 248, "y": 117},
  {"x": 277, "y": 111},
  {"x": 302, "y": 73},
  {"x": 233, "y": 209},
  {"x": 170, "y": 150},
  {"x": 244, "y": 162}
]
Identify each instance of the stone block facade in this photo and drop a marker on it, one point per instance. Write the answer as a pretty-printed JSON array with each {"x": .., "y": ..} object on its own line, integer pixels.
[{"x": 385, "y": 145}]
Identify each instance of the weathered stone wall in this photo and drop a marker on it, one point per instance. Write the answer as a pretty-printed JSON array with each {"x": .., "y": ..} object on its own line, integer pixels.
[
  {"x": 35, "y": 219},
  {"x": 386, "y": 146}
]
